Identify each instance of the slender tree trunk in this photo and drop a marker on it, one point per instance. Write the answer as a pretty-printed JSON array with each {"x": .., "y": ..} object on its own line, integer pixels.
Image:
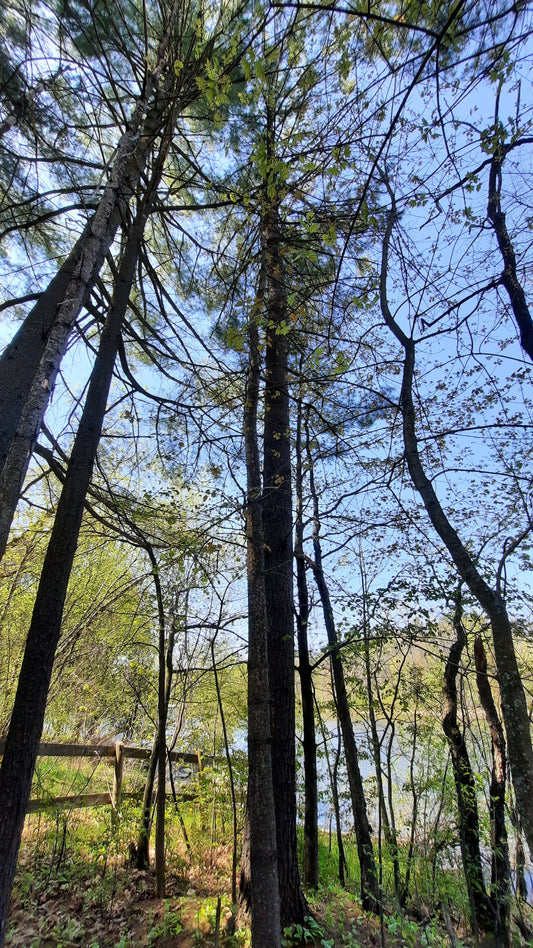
[
  {"x": 142, "y": 858},
  {"x": 310, "y": 863},
  {"x": 159, "y": 757},
  {"x": 27, "y": 718},
  {"x": 393, "y": 843},
  {"x": 165, "y": 655},
  {"x": 520, "y": 858},
  {"x": 513, "y": 699},
  {"x": 388, "y": 823},
  {"x": 277, "y": 527},
  {"x": 389, "y": 828},
  {"x": 261, "y": 858},
  {"x": 160, "y": 868},
  {"x": 378, "y": 767},
  {"x": 509, "y": 278},
  {"x": 370, "y": 895},
  {"x": 30, "y": 363},
  {"x": 387, "y": 710},
  {"x": 230, "y": 774},
  {"x": 342, "y": 863},
  {"x": 155, "y": 766},
  {"x": 482, "y": 913},
  {"x": 415, "y": 796},
  {"x": 333, "y": 783},
  {"x": 500, "y": 868}
]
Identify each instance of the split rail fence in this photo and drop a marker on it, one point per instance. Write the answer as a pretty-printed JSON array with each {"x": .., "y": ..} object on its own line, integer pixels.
[{"x": 118, "y": 752}]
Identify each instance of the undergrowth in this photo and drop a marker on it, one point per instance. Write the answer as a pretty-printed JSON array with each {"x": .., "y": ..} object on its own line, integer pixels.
[{"x": 76, "y": 886}]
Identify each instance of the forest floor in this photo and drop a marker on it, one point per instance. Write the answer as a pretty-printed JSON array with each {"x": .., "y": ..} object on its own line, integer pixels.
[
  {"x": 66, "y": 916},
  {"x": 63, "y": 909},
  {"x": 87, "y": 894}
]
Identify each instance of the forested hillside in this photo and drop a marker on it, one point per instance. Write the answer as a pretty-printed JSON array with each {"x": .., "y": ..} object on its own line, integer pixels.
[{"x": 265, "y": 467}]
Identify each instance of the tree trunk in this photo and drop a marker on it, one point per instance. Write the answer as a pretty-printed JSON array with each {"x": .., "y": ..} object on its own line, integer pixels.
[
  {"x": 277, "y": 527},
  {"x": 260, "y": 886},
  {"x": 520, "y": 859},
  {"x": 513, "y": 699},
  {"x": 244, "y": 904},
  {"x": 16, "y": 771},
  {"x": 333, "y": 782},
  {"x": 156, "y": 764},
  {"x": 311, "y": 862},
  {"x": 389, "y": 826},
  {"x": 30, "y": 363},
  {"x": 370, "y": 895},
  {"x": 165, "y": 652},
  {"x": 415, "y": 796},
  {"x": 142, "y": 858},
  {"x": 500, "y": 889},
  {"x": 230, "y": 774},
  {"x": 482, "y": 913},
  {"x": 509, "y": 278}
]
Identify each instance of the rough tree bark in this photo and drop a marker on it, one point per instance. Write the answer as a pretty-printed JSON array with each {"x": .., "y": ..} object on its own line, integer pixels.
[
  {"x": 310, "y": 861},
  {"x": 261, "y": 859},
  {"x": 277, "y": 531}
]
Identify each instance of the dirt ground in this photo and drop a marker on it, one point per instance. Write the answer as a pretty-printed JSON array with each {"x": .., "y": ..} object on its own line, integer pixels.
[
  {"x": 65, "y": 915},
  {"x": 116, "y": 908}
]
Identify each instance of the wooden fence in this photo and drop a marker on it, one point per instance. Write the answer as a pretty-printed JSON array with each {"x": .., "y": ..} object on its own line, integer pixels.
[{"x": 118, "y": 752}]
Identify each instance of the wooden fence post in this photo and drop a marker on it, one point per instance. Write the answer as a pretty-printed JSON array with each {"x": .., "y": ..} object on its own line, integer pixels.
[
  {"x": 203, "y": 820},
  {"x": 116, "y": 796}
]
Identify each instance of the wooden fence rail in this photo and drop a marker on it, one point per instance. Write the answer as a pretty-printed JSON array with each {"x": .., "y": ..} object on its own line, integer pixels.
[{"x": 118, "y": 752}]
